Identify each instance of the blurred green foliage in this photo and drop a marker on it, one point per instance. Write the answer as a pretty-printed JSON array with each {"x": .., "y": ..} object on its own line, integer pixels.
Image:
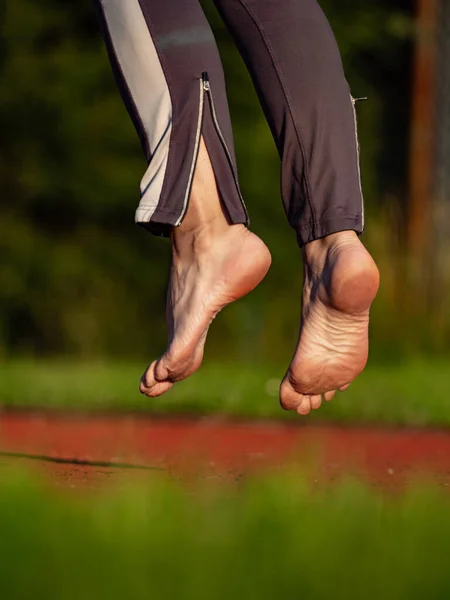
[
  {"x": 76, "y": 275},
  {"x": 268, "y": 538},
  {"x": 384, "y": 394}
]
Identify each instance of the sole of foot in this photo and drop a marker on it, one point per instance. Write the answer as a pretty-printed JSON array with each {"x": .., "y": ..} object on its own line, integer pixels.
[{"x": 340, "y": 283}]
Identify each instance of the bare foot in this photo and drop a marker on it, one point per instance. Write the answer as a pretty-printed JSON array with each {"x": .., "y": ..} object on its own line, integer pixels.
[
  {"x": 340, "y": 282},
  {"x": 213, "y": 264}
]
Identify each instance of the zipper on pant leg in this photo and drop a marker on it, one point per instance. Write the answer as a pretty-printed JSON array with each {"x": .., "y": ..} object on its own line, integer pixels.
[
  {"x": 195, "y": 154},
  {"x": 207, "y": 88},
  {"x": 354, "y": 101}
]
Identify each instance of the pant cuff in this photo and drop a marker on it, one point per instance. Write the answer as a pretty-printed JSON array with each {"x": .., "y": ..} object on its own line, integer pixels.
[
  {"x": 315, "y": 231},
  {"x": 160, "y": 223}
]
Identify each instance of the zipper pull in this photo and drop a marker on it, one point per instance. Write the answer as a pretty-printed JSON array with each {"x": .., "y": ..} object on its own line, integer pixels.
[
  {"x": 355, "y": 100},
  {"x": 205, "y": 82}
]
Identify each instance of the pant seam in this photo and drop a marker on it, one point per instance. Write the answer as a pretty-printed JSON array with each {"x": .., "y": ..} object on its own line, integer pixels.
[
  {"x": 326, "y": 227},
  {"x": 288, "y": 102}
]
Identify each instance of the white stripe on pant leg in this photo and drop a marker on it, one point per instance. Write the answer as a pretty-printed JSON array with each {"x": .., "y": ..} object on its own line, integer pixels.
[{"x": 139, "y": 62}]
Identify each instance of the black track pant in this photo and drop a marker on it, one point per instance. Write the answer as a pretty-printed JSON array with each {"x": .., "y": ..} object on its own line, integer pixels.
[{"x": 170, "y": 74}]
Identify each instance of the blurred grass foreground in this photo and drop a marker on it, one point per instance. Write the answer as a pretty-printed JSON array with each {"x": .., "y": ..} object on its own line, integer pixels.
[{"x": 271, "y": 538}]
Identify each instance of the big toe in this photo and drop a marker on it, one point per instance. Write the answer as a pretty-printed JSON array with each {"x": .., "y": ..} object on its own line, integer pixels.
[
  {"x": 151, "y": 385},
  {"x": 290, "y": 399},
  {"x": 161, "y": 374}
]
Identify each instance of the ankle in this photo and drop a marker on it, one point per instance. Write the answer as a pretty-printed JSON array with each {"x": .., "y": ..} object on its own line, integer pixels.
[
  {"x": 199, "y": 239},
  {"x": 318, "y": 250},
  {"x": 205, "y": 220},
  {"x": 202, "y": 225}
]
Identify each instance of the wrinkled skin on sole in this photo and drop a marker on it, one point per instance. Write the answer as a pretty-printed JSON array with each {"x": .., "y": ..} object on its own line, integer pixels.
[{"x": 340, "y": 283}]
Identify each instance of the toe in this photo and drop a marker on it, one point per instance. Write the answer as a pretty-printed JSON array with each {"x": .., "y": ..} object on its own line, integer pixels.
[
  {"x": 165, "y": 369},
  {"x": 344, "y": 387},
  {"x": 178, "y": 364},
  {"x": 305, "y": 406},
  {"x": 150, "y": 385},
  {"x": 148, "y": 379},
  {"x": 316, "y": 401},
  {"x": 158, "y": 389},
  {"x": 289, "y": 398},
  {"x": 329, "y": 395}
]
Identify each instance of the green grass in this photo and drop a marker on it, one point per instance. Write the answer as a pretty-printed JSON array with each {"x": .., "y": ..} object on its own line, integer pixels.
[
  {"x": 414, "y": 393},
  {"x": 270, "y": 538}
]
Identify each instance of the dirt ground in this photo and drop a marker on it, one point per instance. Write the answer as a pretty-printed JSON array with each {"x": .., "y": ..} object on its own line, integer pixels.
[{"x": 76, "y": 451}]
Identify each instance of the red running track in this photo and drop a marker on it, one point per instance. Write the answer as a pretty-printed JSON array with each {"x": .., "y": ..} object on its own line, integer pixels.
[{"x": 107, "y": 447}]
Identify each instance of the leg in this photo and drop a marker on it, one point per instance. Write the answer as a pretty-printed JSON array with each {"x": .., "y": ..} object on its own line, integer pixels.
[
  {"x": 168, "y": 69},
  {"x": 295, "y": 64}
]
